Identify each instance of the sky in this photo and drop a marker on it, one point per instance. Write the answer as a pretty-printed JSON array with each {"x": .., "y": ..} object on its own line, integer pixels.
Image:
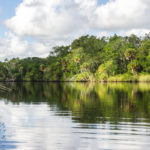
[{"x": 30, "y": 28}]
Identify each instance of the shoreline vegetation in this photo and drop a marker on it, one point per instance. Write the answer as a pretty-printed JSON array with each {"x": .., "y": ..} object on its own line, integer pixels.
[
  {"x": 88, "y": 58},
  {"x": 119, "y": 78}
]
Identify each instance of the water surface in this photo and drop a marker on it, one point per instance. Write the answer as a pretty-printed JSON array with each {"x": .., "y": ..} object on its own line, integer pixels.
[{"x": 75, "y": 116}]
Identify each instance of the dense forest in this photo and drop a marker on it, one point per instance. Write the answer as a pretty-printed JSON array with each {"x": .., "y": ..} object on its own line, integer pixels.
[{"x": 87, "y": 58}]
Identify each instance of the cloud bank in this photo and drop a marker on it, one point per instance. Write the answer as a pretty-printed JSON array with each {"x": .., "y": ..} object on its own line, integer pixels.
[{"x": 51, "y": 22}]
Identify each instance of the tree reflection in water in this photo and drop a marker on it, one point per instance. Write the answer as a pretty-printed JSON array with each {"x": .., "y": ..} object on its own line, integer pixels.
[
  {"x": 88, "y": 102},
  {"x": 62, "y": 115}
]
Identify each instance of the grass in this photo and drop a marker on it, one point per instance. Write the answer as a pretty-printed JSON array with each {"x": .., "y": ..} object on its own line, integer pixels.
[
  {"x": 144, "y": 78},
  {"x": 124, "y": 78}
]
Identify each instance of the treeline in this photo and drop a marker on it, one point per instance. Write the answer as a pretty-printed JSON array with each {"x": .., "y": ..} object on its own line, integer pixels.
[{"x": 87, "y": 58}]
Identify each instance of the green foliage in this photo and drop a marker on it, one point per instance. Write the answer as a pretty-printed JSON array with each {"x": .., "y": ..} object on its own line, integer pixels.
[
  {"x": 134, "y": 41},
  {"x": 84, "y": 76},
  {"x": 127, "y": 77},
  {"x": 144, "y": 78},
  {"x": 105, "y": 70},
  {"x": 87, "y": 58},
  {"x": 60, "y": 51},
  {"x": 134, "y": 67},
  {"x": 130, "y": 54}
]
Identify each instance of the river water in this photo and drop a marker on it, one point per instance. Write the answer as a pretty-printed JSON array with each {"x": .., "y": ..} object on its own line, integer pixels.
[{"x": 75, "y": 116}]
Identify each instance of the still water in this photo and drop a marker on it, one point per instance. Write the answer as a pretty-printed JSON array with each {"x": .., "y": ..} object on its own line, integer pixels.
[{"x": 75, "y": 116}]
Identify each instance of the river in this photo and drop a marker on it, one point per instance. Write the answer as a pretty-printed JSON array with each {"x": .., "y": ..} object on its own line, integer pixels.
[{"x": 75, "y": 116}]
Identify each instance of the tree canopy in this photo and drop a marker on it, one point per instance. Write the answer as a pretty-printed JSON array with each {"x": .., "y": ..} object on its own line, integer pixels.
[{"x": 86, "y": 58}]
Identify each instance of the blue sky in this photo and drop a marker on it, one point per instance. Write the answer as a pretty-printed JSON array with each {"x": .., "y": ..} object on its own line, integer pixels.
[
  {"x": 7, "y": 10},
  {"x": 38, "y": 25}
]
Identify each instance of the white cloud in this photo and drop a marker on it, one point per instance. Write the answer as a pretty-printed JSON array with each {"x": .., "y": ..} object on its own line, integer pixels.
[
  {"x": 123, "y": 14},
  {"x": 55, "y": 19},
  {"x": 61, "y": 18},
  {"x": 56, "y": 22},
  {"x": 139, "y": 32},
  {"x": 14, "y": 46}
]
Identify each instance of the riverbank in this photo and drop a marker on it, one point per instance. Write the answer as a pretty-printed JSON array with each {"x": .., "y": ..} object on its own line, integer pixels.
[
  {"x": 117, "y": 78},
  {"x": 129, "y": 78},
  {"x": 77, "y": 78},
  {"x": 88, "y": 58}
]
